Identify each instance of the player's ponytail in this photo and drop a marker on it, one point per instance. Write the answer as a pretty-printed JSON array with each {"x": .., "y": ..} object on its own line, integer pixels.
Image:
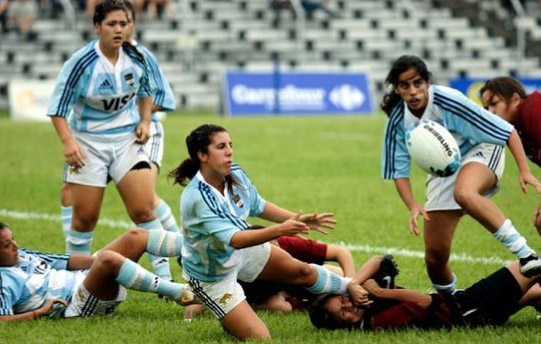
[
  {"x": 401, "y": 65},
  {"x": 197, "y": 141}
]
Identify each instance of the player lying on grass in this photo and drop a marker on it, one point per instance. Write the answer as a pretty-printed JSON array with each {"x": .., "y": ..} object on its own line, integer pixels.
[
  {"x": 490, "y": 301},
  {"x": 34, "y": 284}
]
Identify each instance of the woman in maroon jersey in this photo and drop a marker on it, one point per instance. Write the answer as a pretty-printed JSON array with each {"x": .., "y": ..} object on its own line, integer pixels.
[
  {"x": 507, "y": 98},
  {"x": 491, "y": 301}
]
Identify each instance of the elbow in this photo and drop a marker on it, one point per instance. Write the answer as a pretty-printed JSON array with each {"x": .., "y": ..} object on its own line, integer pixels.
[{"x": 236, "y": 243}]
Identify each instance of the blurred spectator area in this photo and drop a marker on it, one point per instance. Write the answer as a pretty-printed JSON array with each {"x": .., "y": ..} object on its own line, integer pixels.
[{"x": 197, "y": 40}]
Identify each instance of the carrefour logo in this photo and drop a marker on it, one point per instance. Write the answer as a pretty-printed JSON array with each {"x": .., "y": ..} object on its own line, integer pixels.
[
  {"x": 347, "y": 97},
  {"x": 291, "y": 97}
]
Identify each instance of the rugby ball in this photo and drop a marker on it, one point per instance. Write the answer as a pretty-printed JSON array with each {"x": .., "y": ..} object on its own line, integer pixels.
[{"x": 433, "y": 148}]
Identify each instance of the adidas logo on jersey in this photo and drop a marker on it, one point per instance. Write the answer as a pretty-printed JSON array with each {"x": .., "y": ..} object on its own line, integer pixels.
[{"x": 105, "y": 85}]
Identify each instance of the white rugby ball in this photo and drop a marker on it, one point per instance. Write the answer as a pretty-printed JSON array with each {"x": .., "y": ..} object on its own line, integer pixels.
[{"x": 433, "y": 148}]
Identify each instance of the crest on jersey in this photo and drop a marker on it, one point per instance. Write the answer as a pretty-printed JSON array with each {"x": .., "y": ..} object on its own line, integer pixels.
[
  {"x": 129, "y": 79},
  {"x": 238, "y": 201}
]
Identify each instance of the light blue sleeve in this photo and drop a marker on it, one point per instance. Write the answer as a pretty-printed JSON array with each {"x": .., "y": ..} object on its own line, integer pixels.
[
  {"x": 469, "y": 120},
  {"x": 163, "y": 95},
  {"x": 146, "y": 87},
  {"x": 395, "y": 159},
  {"x": 70, "y": 80},
  {"x": 11, "y": 289}
]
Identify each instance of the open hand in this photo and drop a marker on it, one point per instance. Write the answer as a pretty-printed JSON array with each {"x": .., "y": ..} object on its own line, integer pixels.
[
  {"x": 317, "y": 221},
  {"x": 414, "y": 213}
]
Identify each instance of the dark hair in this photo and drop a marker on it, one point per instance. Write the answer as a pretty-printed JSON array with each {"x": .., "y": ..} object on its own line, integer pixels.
[
  {"x": 129, "y": 7},
  {"x": 197, "y": 141},
  {"x": 321, "y": 318},
  {"x": 504, "y": 87},
  {"x": 3, "y": 226},
  {"x": 103, "y": 8},
  {"x": 401, "y": 65}
]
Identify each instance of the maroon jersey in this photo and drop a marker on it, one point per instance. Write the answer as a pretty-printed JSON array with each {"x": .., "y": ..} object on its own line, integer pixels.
[
  {"x": 308, "y": 251},
  {"x": 396, "y": 314},
  {"x": 528, "y": 125}
]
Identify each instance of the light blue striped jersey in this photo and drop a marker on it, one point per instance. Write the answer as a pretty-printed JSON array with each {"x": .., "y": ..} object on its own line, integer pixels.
[
  {"x": 163, "y": 95},
  {"x": 101, "y": 96},
  {"x": 209, "y": 220},
  {"x": 36, "y": 278},
  {"x": 469, "y": 124}
]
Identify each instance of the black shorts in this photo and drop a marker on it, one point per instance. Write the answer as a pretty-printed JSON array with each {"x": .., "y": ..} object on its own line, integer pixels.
[{"x": 491, "y": 301}]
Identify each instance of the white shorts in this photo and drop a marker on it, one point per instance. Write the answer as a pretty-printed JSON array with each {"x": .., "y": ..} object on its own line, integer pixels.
[
  {"x": 220, "y": 297},
  {"x": 440, "y": 191},
  {"x": 84, "y": 304},
  {"x": 106, "y": 155},
  {"x": 154, "y": 145}
]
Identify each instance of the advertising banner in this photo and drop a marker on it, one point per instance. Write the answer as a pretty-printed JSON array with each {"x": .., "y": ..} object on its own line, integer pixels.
[
  {"x": 28, "y": 99},
  {"x": 296, "y": 93}
]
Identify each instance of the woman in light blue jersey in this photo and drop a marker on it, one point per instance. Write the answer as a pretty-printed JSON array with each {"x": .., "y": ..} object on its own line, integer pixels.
[
  {"x": 162, "y": 100},
  {"x": 219, "y": 245},
  {"x": 36, "y": 284},
  {"x": 97, "y": 87},
  {"x": 481, "y": 137}
]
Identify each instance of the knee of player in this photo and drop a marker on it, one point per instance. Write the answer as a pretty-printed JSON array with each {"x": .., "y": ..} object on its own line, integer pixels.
[
  {"x": 142, "y": 214},
  {"x": 464, "y": 197},
  {"x": 84, "y": 221},
  {"x": 305, "y": 270},
  {"x": 137, "y": 235},
  {"x": 433, "y": 259},
  {"x": 109, "y": 259}
]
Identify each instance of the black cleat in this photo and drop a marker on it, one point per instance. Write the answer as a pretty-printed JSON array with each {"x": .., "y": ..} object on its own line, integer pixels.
[
  {"x": 530, "y": 266},
  {"x": 388, "y": 270}
]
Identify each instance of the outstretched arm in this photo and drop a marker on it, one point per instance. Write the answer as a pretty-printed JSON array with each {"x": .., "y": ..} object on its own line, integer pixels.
[
  {"x": 247, "y": 238},
  {"x": 277, "y": 214}
]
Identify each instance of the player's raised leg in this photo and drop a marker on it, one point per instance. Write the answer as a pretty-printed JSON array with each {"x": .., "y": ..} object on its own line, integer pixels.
[{"x": 473, "y": 182}]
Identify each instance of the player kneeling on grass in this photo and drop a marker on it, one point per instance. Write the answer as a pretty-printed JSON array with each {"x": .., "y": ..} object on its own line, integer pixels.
[
  {"x": 490, "y": 301},
  {"x": 35, "y": 284}
]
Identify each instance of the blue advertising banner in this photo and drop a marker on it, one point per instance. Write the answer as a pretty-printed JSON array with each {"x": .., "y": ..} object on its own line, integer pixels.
[
  {"x": 471, "y": 87},
  {"x": 255, "y": 93}
]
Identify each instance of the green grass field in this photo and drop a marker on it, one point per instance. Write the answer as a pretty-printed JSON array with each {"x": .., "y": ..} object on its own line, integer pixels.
[{"x": 301, "y": 163}]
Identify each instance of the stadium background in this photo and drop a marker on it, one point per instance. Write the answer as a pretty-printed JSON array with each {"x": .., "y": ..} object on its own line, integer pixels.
[{"x": 318, "y": 163}]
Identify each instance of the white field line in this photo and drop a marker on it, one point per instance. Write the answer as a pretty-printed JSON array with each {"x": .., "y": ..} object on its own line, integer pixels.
[{"x": 458, "y": 257}]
